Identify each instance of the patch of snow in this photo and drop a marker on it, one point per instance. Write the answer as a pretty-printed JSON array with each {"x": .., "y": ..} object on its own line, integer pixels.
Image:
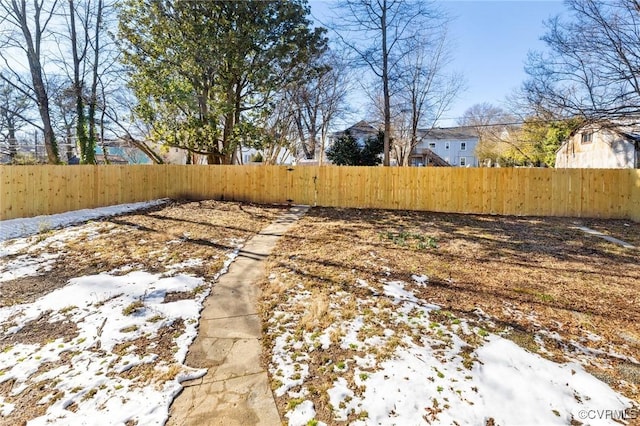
[
  {"x": 368, "y": 361},
  {"x": 420, "y": 279},
  {"x": 101, "y": 307},
  {"x": 29, "y": 259},
  {"x": 191, "y": 263},
  {"x": 5, "y": 408},
  {"x": 15, "y": 228},
  {"x": 351, "y": 335},
  {"x": 57, "y": 240},
  {"x": 416, "y": 385},
  {"x": 301, "y": 414},
  {"x": 395, "y": 289},
  {"x": 592, "y": 336},
  {"x": 585, "y": 354},
  {"x": 97, "y": 306},
  {"x": 554, "y": 394},
  {"x": 342, "y": 400},
  {"x": 126, "y": 268},
  {"x": 289, "y": 372},
  {"x": 25, "y": 266},
  {"x": 433, "y": 376},
  {"x": 325, "y": 337},
  {"x": 605, "y": 237}
]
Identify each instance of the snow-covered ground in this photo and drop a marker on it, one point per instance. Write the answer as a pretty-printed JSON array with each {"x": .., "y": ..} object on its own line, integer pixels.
[
  {"x": 110, "y": 364},
  {"x": 23, "y": 227},
  {"x": 395, "y": 364}
]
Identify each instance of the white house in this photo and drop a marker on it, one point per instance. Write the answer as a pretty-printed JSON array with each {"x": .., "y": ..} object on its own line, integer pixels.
[
  {"x": 596, "y": 146},
  {"x": 456, "y": 146}
]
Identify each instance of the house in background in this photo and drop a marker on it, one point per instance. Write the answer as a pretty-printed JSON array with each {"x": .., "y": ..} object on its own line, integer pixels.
[
  {"x": 119, "y": 151},
  {"x": 597, "y": 146},
  {"x": 273, "y": 155},
  {"x": 438, "y": 147},
  {"x": 361, "y": 131},
  {"x": 452, "y": 146}
]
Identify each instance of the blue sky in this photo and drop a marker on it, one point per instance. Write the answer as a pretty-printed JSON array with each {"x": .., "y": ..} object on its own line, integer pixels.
[{"x": 491, "y": 40}]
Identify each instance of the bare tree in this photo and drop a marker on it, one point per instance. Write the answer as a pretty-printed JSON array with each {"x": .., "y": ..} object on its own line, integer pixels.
[
  {"x": 119, "y": 113},
  {"x": 483, "y": 117},
  {"x": 404, "y": 44},
  {"x": 84, "y": 35},
  {"x": 14, "y": 108},
  {"x": 317, "y": 101},
  {"x": 486, "y": 121},
  {"x": 426, "y": 90},
  {"x": 379, "y": 32},
  {"x": 79, "y": 48},
  {"x": 95, "y": 75},
  {"x": 30, "y": 25},
  {"x": 501, "y": 135},
  {"x": 63, "y": 110},
  {"x": 591, "y": 70}
]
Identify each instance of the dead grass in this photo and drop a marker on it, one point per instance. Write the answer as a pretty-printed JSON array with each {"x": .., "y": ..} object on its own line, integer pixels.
[
  {"x": 515, "y": 276},
  {"x": 133, "y": 307},
  {"x": 317, "y": 314},
  {"x": 508, "y": 275},
  {"x": 149, "y": 241},
  {"x": 40, "y": 331}
]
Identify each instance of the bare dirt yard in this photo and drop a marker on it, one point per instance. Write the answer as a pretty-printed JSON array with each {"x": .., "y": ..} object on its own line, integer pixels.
[
  {"x": 370, "y": 316},
  {"x": 350, "y": 293}
]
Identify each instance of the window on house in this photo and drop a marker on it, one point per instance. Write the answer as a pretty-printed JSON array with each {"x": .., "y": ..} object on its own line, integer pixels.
[
  {"x": 432, "y": 145},
  {"x": 463, "y": 161},
  {"x": 587, "y": 137},
  {"x": 463, "y": 146}
]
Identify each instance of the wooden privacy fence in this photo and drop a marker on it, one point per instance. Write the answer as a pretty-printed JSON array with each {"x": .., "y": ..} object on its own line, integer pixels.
[{"x": 606, "y": 193}]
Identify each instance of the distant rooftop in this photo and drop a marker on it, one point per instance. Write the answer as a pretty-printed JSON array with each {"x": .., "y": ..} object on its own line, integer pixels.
[
  {"x": 360, "y": 128},
  {"x": 441, "y": 133},
  {"x": 437, "y": 133}
]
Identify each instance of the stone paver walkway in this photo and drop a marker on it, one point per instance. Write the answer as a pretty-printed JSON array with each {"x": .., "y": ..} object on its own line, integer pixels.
[{"x": 235, "y": 390}]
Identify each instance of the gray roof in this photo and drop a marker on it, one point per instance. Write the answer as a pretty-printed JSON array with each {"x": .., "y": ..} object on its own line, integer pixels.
[
  {"x": 360, "y": 128},
  {"x": 449, "y": 133},
  {"x": 438, "y": 133}
]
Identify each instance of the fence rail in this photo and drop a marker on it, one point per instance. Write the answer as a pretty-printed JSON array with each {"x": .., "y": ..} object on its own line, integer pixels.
[{"x": 27, "y": 191}]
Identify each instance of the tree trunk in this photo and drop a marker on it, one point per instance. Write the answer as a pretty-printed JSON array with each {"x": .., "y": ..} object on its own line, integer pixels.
[
  {"x": 157, "y": 159},
  {"x": 226, "y": 138},
  {"x": 87, "y": 150},
  {"x": 69, "y": 142},
  {"x": 13, "y": 149},
  {"x": 237, "y": 103},
  {"x": 385, "y": 84},
  {"x": 94, "y": 83},
  {"x": 43, "y": 102}
]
